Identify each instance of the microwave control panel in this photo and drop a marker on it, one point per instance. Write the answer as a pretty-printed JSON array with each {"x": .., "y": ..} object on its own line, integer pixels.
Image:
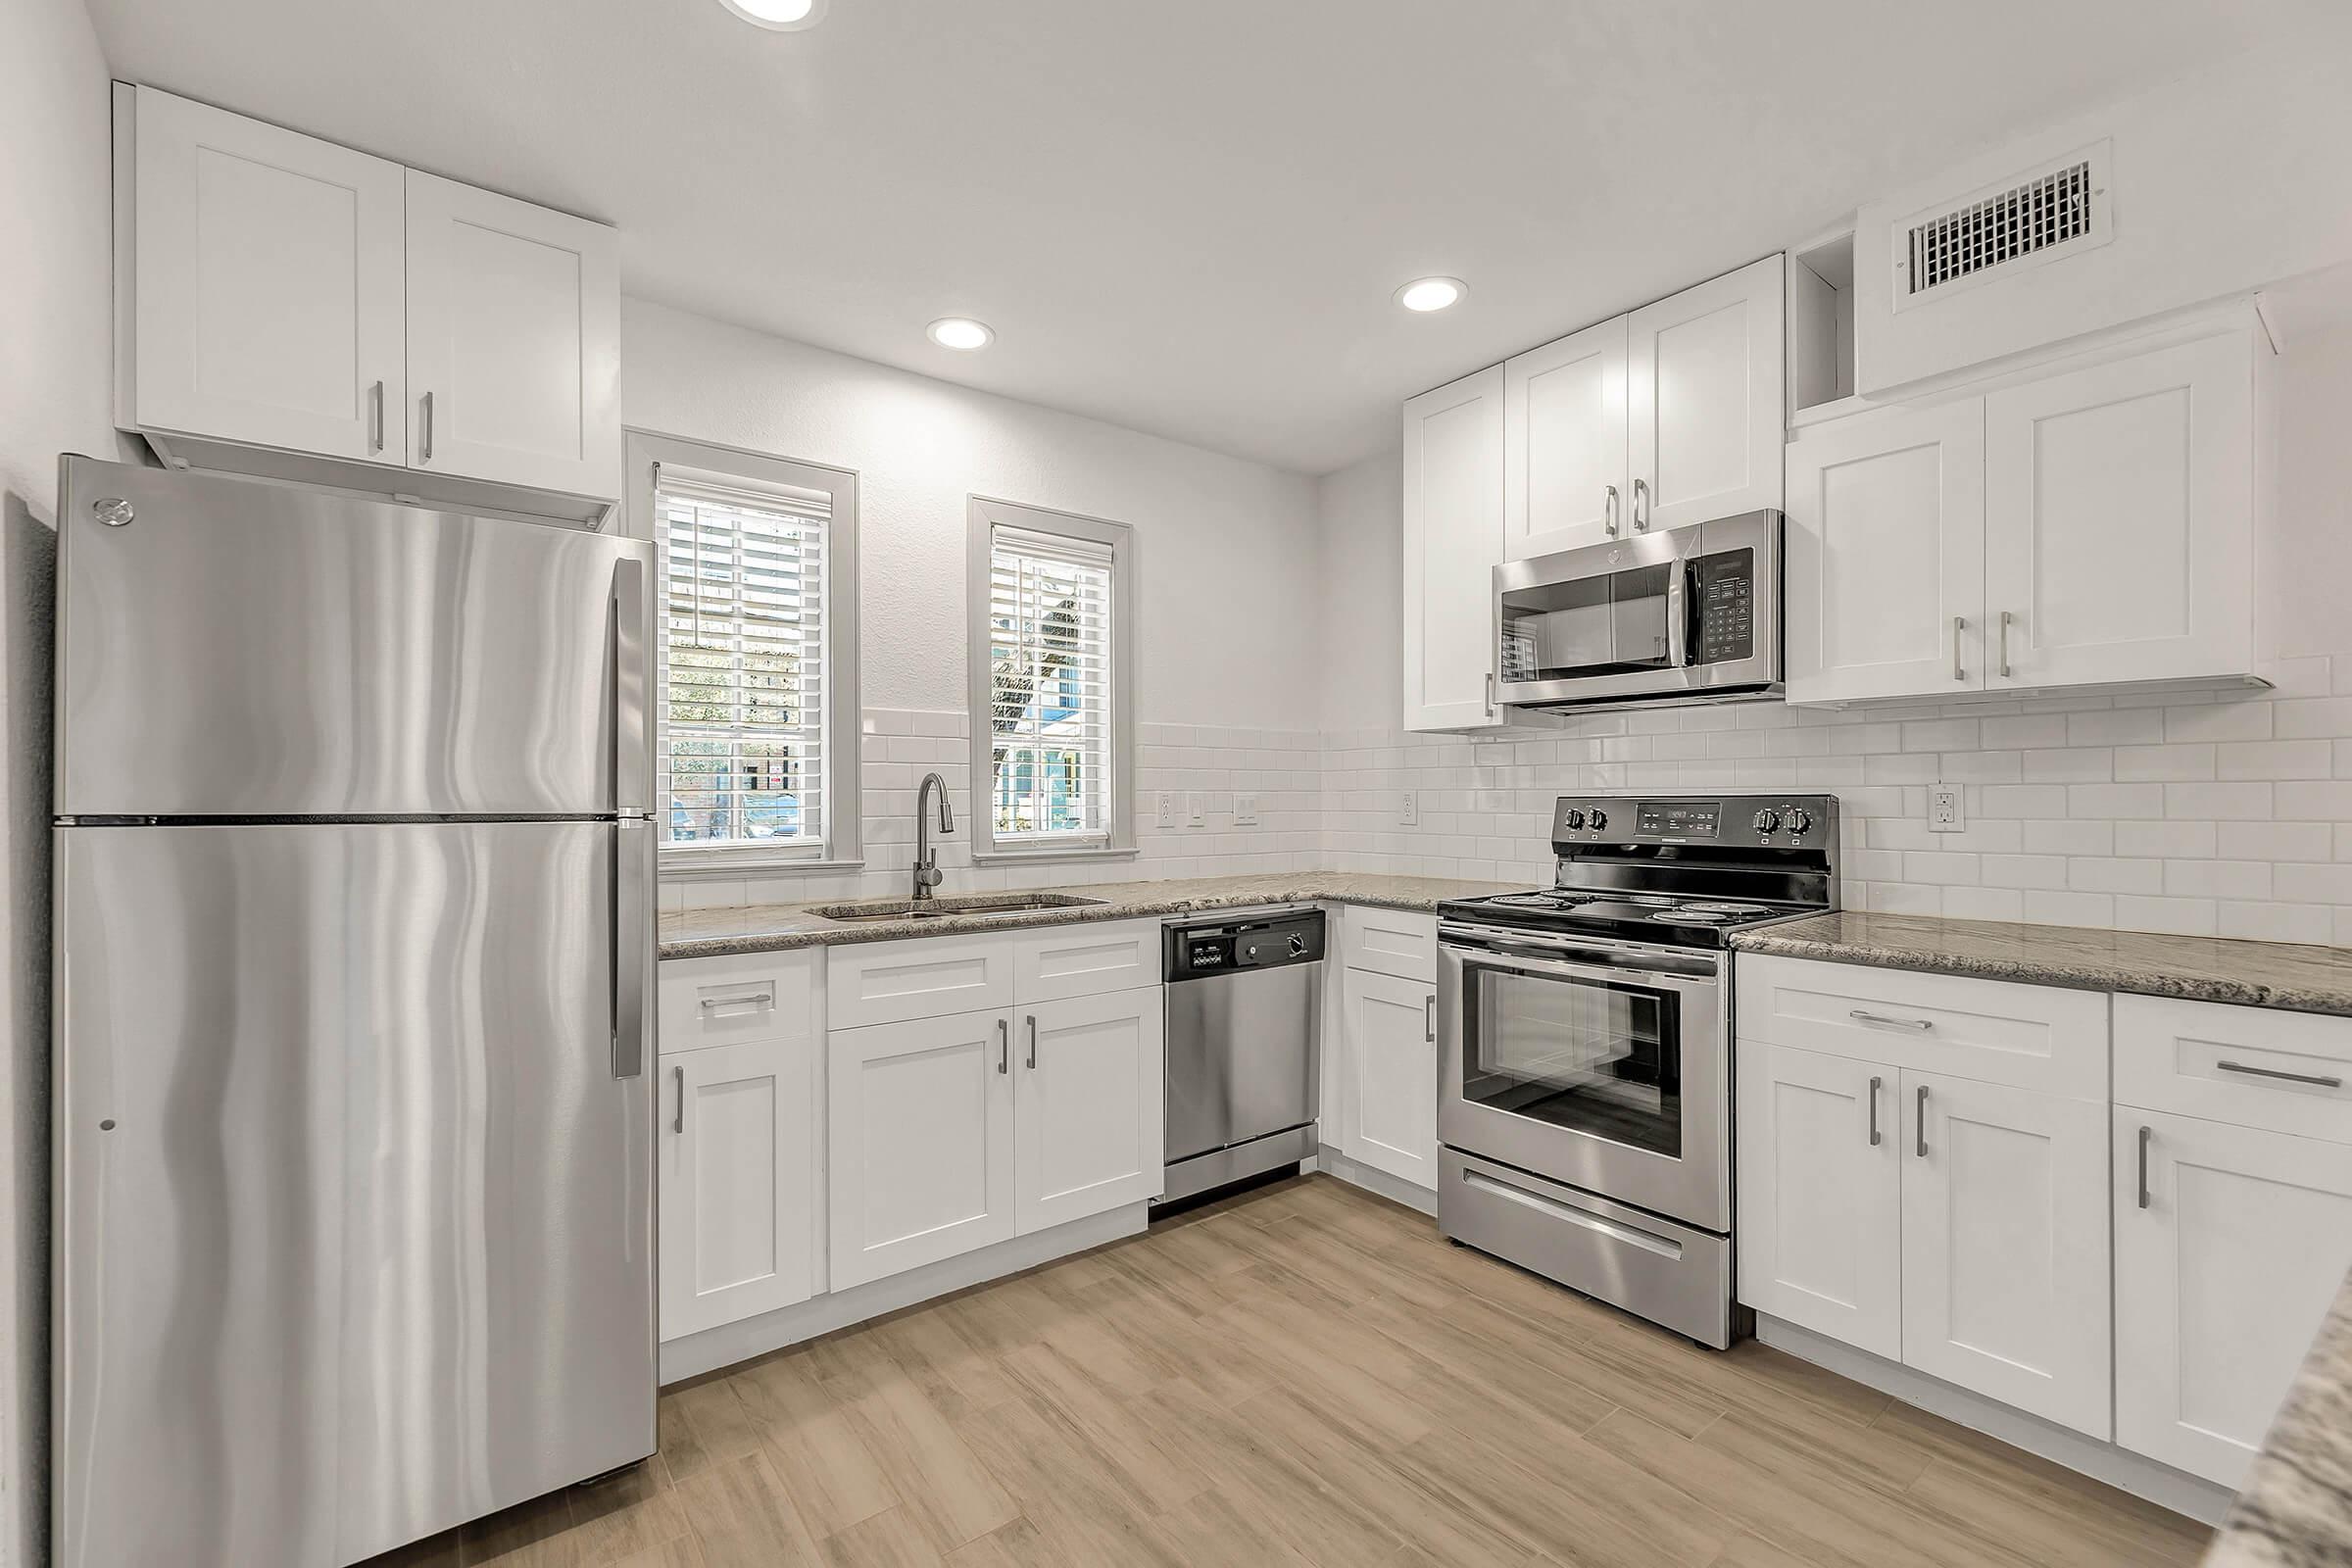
[{"x": 1727, "y": 605}]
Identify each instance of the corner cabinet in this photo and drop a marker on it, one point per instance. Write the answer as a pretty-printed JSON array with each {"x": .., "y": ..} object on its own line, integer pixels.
[
  {"x": 278, "y": 292},
  {"x": 1452, "y": 543}
]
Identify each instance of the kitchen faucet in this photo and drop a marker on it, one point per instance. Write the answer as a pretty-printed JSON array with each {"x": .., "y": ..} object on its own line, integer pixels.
[{"x": 926, "y": 860}]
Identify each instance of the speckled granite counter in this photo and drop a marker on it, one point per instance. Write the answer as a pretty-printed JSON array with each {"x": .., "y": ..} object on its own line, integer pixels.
[
  {"x": 773, "y": 927},
  {"x": 2252, "y": 975},
  {"x": 2295, "y": 1508}
]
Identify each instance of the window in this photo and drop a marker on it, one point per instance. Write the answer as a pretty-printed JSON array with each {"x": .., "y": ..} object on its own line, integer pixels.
[
  {"x": 1050, "y": 634},
  {"x": 757, "y": 756}
]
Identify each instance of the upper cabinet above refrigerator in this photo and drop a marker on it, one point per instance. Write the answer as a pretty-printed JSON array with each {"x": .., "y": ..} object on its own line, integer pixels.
[{"x": 280, "y": 297}]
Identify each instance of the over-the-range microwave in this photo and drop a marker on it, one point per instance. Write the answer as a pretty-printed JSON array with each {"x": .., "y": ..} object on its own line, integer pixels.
[{"x": 1682, "y": 614}]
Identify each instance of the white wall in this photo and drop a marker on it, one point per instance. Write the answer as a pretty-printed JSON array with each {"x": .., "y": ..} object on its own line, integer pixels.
[
  {"x": 1360, "y": 513},
  {"x": 54, "y": 266}
]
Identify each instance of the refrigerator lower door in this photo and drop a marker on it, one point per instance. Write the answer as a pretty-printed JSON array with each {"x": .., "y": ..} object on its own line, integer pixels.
[{"x": 353, "y": 1236}]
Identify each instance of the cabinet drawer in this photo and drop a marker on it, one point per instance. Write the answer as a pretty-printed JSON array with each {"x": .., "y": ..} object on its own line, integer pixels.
[
  {"x": 724, "y": 1002},
  {"x": 1086, "y": 960},
  {"x": 1394, "y": 942},
  {"x": 921, "y": 977},
  {"x": 2029, "y": 1037},
  {"x": 2286, "y": 1072}
]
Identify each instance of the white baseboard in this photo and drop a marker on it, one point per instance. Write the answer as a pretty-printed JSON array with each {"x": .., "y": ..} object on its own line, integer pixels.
[
  {"x": 1394, "y": 1189},
  {"x": 2142, "y": 1477},
  {"x": 696, "y": 1353}
]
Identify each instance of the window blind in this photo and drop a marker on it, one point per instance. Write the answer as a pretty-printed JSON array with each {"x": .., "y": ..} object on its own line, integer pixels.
[
  {"x": 743, "y": 680},
  {"x": 1050, "y": 687}
]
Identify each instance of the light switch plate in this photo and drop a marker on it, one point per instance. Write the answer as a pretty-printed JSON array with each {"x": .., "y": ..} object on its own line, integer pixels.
[
  {"x": 1245, "y": 809},
  {"x": 1192, "y": 808},
  {"x": 1167, "y": 808},
  {"x": 1944, "y": 813},
  {"x": 1409, "y": 806}
]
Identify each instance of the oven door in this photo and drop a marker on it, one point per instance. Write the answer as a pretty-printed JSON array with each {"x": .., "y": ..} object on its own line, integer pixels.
[{"x": 1603, "y": 1071}]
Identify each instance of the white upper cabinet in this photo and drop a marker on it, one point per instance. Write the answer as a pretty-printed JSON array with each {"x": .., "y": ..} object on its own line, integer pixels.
[
  {"x": 2119, "y": 519},
  {"x": 1885, "y": 555},
  {"x": 513, "y": 340},
  {"x": 1452, "y": 542},
  {"x": 1706, "y": 400},
  {"x": 261, "y": 273},
  {"x": 1564, "y": 477},
  {"x": 278, "y": 292}
]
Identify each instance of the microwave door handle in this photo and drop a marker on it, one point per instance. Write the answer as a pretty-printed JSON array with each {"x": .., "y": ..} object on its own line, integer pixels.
[{"x": 1680, "y": 600}]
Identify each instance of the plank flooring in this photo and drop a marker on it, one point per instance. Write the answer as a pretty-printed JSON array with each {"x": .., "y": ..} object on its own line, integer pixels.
[{"x": 1305, "y": 1377}]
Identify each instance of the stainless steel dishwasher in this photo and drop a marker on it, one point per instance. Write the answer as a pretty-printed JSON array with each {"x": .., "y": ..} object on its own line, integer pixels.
[{"x": 1245, "y": 1006}]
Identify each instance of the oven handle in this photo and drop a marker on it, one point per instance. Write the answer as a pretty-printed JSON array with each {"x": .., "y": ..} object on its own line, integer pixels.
[{"x": 1561, "y": 969}]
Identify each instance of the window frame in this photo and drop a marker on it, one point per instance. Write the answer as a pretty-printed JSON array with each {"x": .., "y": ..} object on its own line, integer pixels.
[
  {"x": 844, "y": 847},
  {"x": 983, "y": 514}
]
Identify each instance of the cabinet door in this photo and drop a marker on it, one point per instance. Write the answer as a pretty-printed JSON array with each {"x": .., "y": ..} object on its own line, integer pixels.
[
  {"x": 2222, "y": 1279},
  {"x": 920, "y": 1134},
  {"x": 2005, "y": 1263},
  {"x": 1389, "y": 1116},
  {"x": 1706, "y": 400},
  {"x": 1452, "y": 543},
  {"x": 1886, "y": 555},
  {"x": 1563, "y": 443},
  {"x": 513, "y": 340},
  {"x": 2119, "y": 519},
  {"x": 1088, "y": 1077},
  {"x": 1821, "y": 1240},
  {"x": 737, "y": 1182},
  {"x": 265, "y": 274}
]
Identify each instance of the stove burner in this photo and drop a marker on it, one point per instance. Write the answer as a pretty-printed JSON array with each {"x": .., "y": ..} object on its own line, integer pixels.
[
  {"x": 1540, "y": 901},
  {"x": 1727, "y": 911}
]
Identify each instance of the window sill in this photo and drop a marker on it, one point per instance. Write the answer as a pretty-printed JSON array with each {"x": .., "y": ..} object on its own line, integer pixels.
[
  {"x": 1039, "y": 857},
  {"x": 717, "y": 865}
]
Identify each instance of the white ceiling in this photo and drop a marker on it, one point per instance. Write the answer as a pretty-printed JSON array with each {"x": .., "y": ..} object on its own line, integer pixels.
[{"x": 1184, "y": 218}]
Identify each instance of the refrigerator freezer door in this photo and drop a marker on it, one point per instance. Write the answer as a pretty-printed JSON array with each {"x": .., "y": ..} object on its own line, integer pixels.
[
  {"x": 228, "y": 647},
  {"x": 355, "y": 1233}
]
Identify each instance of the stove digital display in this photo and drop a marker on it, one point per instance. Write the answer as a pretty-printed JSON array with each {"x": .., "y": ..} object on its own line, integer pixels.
[{"x": 1679, "y": 819}]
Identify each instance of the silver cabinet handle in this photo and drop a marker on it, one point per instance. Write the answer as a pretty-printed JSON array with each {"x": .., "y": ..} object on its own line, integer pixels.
[
  {"x": 1923, "y": 1121},
  {"x": 1923, "y": 1025},
  {"x": 764, "y": 999},
  {"x": 1608, "y": 512},
  {"x": 424, "y": 433},
  {"x": 1959, "y": 626},
  {"x": 677, "y": 1119},
  {"x": 1033, "y": 1041},
  {"x": 2005, "y": 645},
  {"x": 1874, "y": 1110},
  {"x": 1004, "y": 1046},
  {"x": 1641, "y": 505},
  {"x": 1490, "y": 691},
  {"x": 2312, "y": 1078},
  {"x": 2145, "y": 1133},
  {"x": 1429, "y": 1016},
  {"x": 375, "y": 417}
]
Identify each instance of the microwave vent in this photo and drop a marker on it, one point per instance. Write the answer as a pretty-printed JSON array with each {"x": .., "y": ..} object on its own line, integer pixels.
[{"x": 2050, "y": 211}]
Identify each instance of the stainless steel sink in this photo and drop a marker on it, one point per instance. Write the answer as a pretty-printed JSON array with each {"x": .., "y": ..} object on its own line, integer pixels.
[{"x": 981, "y": 905}]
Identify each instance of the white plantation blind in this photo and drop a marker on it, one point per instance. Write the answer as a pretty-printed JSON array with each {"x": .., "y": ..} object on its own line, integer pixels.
[
  {"x": 744, "y": 681},
  {"x": 1051, "y": 685}
]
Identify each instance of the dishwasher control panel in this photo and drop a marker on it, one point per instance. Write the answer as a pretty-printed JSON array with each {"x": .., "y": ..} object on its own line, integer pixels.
[{"x": 1196, "y": 950}]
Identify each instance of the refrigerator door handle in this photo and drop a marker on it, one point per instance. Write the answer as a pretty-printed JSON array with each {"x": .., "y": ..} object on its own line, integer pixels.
[
  {"x": 631, "y": 689},
  {"x": 632, "y": 930}
]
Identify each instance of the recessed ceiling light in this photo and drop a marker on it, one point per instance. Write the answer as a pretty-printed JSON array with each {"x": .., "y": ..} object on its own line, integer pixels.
[
  {"x": 783, "y": 16},
  {"x": 1431, "y": 293},
  {"x": 961, "y": 332}
]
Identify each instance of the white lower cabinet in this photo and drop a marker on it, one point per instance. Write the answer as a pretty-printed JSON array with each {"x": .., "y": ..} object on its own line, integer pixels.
[
  {"x": 2005, "y": 1263},
  {"x": 737, "y": 1182},
  {"x": 1088, "y": 1080},
  {"x": 921, "y": 1126},
  {"x": 2229, "y": 1243},
  {"x": 1388, "y": 1075}
]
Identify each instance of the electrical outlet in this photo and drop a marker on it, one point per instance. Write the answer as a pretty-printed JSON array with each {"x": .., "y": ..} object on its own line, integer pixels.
[
  {"x": 1167, "y": 808},
  {"x": 1408, "y": 807},
  {"x": 1944, "y": 809},
  {"x": 1192, "y": 808},
  {"x": 1245, "y": 809}
]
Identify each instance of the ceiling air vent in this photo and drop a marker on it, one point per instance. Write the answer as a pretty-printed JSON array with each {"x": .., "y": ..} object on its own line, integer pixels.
[{"x": 2053, "y": 211}]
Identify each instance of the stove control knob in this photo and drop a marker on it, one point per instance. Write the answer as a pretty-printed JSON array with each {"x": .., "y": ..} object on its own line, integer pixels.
[
  {"x": 1797, "y": 819},
  {"x": 1572, "y": 819},
  {"x": 1767, "y": 820},
  {"x": 1599, "y": 820}
]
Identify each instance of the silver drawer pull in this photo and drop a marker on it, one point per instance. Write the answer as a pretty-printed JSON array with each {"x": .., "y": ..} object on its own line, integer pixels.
[
  {"x": 2312, "y": 1078},
  {"x": 1923, "y": 1025},
  {"x": 765, "y": 998}
]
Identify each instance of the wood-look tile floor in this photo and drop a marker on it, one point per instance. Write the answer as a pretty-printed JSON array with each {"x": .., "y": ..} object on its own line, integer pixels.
[{"x": 1304, "y": 1375}]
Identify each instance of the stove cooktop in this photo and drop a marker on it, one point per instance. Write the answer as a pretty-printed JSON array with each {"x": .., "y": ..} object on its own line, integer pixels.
[{"x": 1652, "y": 917}]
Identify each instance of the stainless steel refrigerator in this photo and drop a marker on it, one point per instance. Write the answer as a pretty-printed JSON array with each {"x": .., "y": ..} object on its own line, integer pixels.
[{"x": 353, "y": 941}]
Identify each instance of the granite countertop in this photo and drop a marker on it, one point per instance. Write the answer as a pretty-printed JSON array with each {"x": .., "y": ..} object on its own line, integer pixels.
[
  {"x": 2252, "y": 975},
  {"x": 775, "y": 928},
  {"x": 2295, "y": 1507}
]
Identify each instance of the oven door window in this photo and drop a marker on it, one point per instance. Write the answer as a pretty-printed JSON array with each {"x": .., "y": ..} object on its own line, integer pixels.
[{"x": 1601, "y": 1058}]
